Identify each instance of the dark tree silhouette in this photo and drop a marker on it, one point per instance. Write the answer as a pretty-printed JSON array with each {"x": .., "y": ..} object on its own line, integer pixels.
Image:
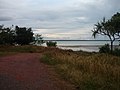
[
  {"x": 23, "y": 35},
  {"x": 6, "y": 35},
  {"x": 38, "y": 39},
  {"x": 109, "y": 28},
  {"x": 115, "y": 20}
]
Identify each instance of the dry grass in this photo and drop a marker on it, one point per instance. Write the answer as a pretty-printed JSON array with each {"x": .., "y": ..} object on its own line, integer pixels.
[
  {"x": 87, "y": 71},
  {"x": 10, "y": 50},
  {"x": 27, "y": 48}
]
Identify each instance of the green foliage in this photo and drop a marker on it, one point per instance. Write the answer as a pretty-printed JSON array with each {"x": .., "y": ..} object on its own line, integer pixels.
[
  {"x": 22, "y": 49},
  {"x": 116, "y": 52},
  {"x": 48, "y": 60},
  {"x": 105, "y": 49},
  {"x": 38, "y": 39},
  {"x": 51, "y": 44},
  {"x": 7, "y": 53},
  {"x": 116, "y": 22},
  {"x": 6, "y": 35},
  {"x": 23, "y": 35},
  {"x": 109, "y": 28}
]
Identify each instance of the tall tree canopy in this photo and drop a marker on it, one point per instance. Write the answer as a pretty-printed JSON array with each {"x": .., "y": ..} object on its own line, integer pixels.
[
  {"x": 109, "y": 28},
  {"x": 19, "y": 35},
  {"x": 6, "y": 35},
  {"x": 23, "y": 35}
]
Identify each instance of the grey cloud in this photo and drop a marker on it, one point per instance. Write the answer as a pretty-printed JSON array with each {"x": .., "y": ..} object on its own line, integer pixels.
[
  {"x": 5, "y": 18},
  {"x": 70, "y": 16}
]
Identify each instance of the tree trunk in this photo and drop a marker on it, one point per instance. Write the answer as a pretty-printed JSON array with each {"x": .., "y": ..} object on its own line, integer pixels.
[{"x": 111, "y": 46}]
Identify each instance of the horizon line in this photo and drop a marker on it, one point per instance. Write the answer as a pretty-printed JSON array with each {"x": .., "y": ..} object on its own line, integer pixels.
[{"x": 76, "y": 40}]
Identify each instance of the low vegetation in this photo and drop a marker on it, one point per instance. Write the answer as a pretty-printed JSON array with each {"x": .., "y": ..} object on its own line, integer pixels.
[
  {"x": 51, "y": 44},
  {"x": 106, "y": 49},
  {"x": 6, "y": 53},
  {"x": 87, "y": 71},
  {"x": 116, "y": 52},
  {"x": 4, "y": 50},
  {"x": 7, "y": 50}
]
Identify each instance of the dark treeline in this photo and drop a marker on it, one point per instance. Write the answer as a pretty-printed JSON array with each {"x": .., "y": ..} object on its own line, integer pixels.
[{"x": 17, "y": 35}]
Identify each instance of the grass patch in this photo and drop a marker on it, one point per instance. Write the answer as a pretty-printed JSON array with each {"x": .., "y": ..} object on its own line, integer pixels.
[
  {"x": 49, "y": 61},
  {"x": 10, "y": 50},
  {"x": 22, "y": 49},
  {"x": 6, "y": 53},
  {"x": 87, "y": 71}
]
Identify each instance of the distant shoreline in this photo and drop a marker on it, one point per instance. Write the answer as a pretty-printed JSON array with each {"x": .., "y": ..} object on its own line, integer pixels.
[{"x": 78, "y": 40}]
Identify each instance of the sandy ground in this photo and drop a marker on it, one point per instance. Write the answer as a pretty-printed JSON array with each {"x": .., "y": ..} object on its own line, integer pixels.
[{"x": 24, "y": 71}]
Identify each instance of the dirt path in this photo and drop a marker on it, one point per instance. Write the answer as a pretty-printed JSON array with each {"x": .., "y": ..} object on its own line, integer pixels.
[{"x": 24, "y": 71}]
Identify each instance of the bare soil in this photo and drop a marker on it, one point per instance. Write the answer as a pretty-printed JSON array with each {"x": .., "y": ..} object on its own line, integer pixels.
[{"x": 24, "y": 71}]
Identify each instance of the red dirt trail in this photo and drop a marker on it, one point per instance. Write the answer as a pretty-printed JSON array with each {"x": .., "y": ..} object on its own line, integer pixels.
[{"x": 24, "y": 71}]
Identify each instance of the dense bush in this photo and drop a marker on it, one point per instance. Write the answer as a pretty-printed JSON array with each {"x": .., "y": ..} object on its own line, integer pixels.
[
  {"x": 51, "y": 44},
  {"x": 6, "y": 36},
  {"x": 104, "y": 49},
  {"x": 23, "y": 36},
  {"x": 17, "y": 35},
  {"x": 116, "y": 52}
]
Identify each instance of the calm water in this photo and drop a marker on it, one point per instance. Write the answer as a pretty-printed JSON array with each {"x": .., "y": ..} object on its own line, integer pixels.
[
  {"x": 77, "y": 43},
  {"x": 83, "y": 45}
]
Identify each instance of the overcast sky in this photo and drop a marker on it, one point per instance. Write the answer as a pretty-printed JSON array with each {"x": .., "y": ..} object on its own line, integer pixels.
[{"x": 57, "y": 19}]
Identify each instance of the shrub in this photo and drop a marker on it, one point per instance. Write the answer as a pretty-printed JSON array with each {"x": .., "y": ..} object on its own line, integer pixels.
[
  {"x": 116, "y": 52},
  {"x": 104, "y": 49},
  {"x": 51, "y": 44}
]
